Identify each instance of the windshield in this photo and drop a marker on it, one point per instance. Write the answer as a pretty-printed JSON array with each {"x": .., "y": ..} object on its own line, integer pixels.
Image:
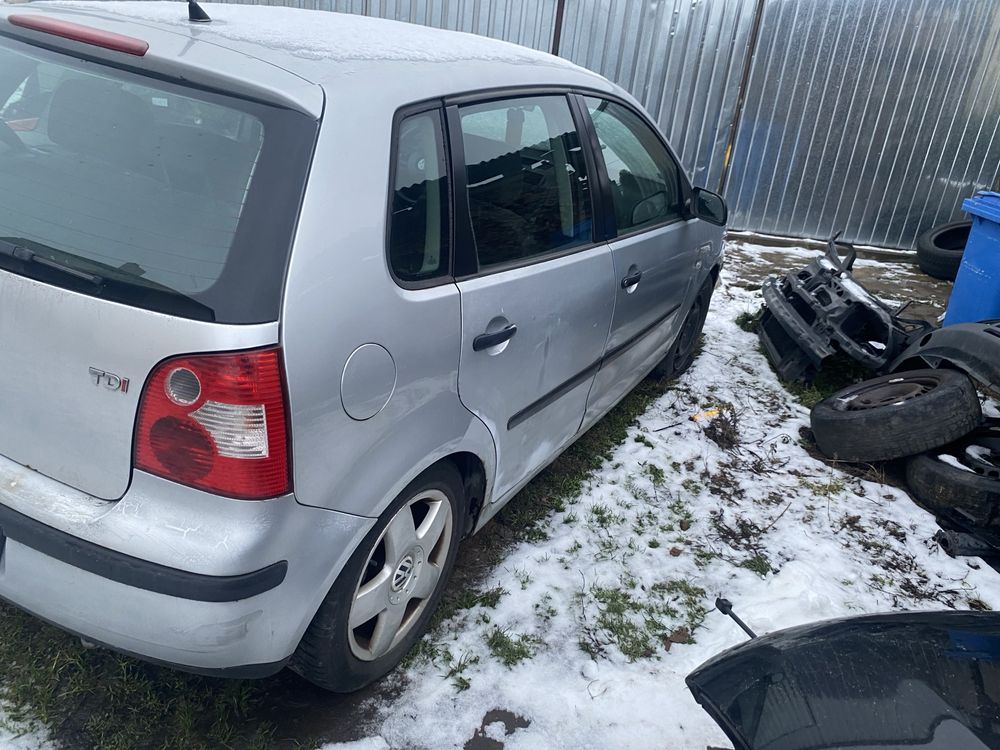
[{"x": 177, "y": 193}]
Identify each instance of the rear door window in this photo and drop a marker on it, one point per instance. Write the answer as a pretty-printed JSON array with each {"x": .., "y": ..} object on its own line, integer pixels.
[
  {"x": 165, "y": 193},
  {"x": 645, "y": 179},
  {"x": 527, "y": 182},
  {"x": 419, "y": 227}
]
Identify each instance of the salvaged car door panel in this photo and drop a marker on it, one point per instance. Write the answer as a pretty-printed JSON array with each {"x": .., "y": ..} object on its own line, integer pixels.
[{"x": 901, "y": 680}]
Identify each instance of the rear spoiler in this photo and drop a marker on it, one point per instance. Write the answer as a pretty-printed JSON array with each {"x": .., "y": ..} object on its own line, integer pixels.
[{"x": 187, "y": 58}]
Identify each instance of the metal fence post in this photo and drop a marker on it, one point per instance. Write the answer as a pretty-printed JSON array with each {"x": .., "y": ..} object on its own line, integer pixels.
[
  {"x": 557, "y": 26},
  {"x": 742, "y": 94}
]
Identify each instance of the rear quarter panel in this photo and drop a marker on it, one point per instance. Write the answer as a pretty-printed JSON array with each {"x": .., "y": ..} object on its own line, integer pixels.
[{"x": 339, "y": 296}]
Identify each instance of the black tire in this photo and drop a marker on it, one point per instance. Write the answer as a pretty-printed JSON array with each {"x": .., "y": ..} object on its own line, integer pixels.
[
  {"x": 325, "y": 655},
  {"x": 939, "y": 250},
  {"x": 970, "y": 482},
  {"x": 896, "y": 415},
  {"x": 682, "y": 352}
]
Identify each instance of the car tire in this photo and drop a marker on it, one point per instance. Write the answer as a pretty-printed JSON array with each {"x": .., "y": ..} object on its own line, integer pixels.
[
  {"x": 373, "y": 615},
  {"x": 939, "y": 250},
  {"x": 896, "y": 415},
  {"x": 968, "y": 481},
  {"x": 685, "y": 346}
]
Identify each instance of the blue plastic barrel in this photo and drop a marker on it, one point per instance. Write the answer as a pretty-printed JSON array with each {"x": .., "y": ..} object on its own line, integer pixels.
[{"x": 976, "y": 294}]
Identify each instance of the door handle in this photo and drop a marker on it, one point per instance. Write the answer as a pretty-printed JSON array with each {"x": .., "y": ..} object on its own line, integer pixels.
[
  {"x": 486, "y": 340},
  {"x": 632, "y": 279}
]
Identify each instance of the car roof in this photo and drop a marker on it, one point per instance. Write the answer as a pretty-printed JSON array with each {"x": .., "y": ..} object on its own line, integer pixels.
[{"x": 346, "y": 54}]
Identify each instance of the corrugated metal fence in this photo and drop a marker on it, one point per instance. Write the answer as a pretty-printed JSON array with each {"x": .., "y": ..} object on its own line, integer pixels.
[{"x": 872, "y": 116}]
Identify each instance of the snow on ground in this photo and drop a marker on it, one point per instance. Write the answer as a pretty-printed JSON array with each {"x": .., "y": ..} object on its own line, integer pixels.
[
  {"x": 588, "y": 635},
  {"x": 20, "y": 738}
]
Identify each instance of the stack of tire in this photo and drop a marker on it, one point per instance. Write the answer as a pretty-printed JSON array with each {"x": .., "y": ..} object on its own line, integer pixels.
[
  {"x": 933, "y": 420},
  {"x": 939, "y": 250}
]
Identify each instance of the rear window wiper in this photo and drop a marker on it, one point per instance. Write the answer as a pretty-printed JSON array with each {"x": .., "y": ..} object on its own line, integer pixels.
[
  {"x": 27, "y": 255},
  {"x": 121, "y": 284}
]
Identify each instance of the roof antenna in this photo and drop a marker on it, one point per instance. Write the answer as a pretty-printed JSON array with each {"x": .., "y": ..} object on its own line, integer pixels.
[{"x": 196, "y": 13}]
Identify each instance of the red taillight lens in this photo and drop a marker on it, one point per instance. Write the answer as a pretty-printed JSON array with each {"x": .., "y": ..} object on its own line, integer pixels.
[{"x": 217, "y": 422}]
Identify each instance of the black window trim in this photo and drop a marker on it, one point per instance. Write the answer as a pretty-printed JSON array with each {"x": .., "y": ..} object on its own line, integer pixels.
[
  {"x": 466, "y": 259},
  {"x": 463, "y": 263},
  {"x": 684, "y": 185},
  {"x": 401, "y": 114}
]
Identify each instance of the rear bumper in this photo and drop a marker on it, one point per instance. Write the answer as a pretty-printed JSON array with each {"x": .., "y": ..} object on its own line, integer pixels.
[{"x": 244, "y": 581}]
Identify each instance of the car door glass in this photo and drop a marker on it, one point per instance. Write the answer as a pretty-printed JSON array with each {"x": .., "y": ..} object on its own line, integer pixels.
[
  {"x": 527, "y": 179},
  {"x": 645, "y": 179},
  {"x": 418, "y": 225}
]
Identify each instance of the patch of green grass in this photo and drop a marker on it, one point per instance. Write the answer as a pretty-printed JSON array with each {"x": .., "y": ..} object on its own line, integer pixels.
[
  {"x": 509, "y": 649},
  {"x": 523, "y": 577},
  {"x": 690, "y": 598},
  {"x": 101, "y": 700},
  {"x": 758, "y": 563},
  {"x": 639, "y": 622},
  {"x": 643, "y": 440},
  {"x": 681, "y": 512},
  {"x": 703, "y": 556},
  {"x": 633, "y": 625},
  {"x": 750, "y": 321},
  {"x": 455, "y": 670},
  {"x": 544, "y": 609},
  {"x": 655, "y": 474},
  {"x": 691, "y": 485},
  {"x": 837, "y": 372},
  {"x": 601, "y": 515}
]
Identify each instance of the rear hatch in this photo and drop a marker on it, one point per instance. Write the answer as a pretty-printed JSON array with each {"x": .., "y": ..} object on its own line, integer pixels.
[{"x": 139, "y": 219}]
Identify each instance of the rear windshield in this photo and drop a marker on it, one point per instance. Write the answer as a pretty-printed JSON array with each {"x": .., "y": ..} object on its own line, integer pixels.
[{"x": 146, "y": 192}]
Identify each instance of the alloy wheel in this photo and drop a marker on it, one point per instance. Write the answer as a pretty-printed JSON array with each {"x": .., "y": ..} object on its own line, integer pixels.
[{"x": 400, "y": 576}]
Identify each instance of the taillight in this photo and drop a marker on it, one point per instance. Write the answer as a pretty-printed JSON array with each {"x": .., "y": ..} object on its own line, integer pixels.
[{"x": 217, "y": 422}]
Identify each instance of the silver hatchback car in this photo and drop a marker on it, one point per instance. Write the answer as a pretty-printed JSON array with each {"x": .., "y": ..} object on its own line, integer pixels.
[{"x": 292, "y": 301}]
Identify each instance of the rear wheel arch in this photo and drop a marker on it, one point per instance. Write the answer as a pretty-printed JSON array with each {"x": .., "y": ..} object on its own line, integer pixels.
[{"x": 473, "y": 472}]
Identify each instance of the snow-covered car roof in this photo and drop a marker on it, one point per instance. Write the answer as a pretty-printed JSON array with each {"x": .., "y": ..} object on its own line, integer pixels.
[{"x": 396, "y": 59}]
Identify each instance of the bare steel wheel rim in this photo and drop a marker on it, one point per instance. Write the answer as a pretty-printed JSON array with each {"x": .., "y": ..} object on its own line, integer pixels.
[
  {"x": 400, "y": 575},
  {"x": 887, "y": 393}
]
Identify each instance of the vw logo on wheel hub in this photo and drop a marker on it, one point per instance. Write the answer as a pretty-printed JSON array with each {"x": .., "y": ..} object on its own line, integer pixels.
[{"x": 403, "y": 573}]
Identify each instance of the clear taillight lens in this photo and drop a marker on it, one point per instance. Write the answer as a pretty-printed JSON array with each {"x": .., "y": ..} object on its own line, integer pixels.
[{"x": 217, "y": 422}]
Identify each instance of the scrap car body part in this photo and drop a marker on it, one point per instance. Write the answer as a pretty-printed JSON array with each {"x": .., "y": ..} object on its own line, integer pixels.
[
  {"x": 973, "y": 347},
  {"x": 813, "y": 313},
  {"x": 892, "y": 681}
]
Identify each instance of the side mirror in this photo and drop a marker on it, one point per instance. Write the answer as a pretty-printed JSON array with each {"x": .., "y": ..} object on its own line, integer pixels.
[
  {"x": 649, "y": 208},
  {"x": 709, "y": 206}
]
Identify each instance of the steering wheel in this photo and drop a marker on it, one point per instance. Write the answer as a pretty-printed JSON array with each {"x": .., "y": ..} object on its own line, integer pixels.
[{"x": 11, "y": 138}]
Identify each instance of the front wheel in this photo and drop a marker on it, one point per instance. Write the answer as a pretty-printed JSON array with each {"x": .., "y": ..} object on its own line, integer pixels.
[
  {"x": 681, "y": 354},
  {"x": 383, "y": 600}
]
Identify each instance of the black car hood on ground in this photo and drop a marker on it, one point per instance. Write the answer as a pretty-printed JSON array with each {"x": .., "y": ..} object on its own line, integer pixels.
[{"x": 905, "y": 680}]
